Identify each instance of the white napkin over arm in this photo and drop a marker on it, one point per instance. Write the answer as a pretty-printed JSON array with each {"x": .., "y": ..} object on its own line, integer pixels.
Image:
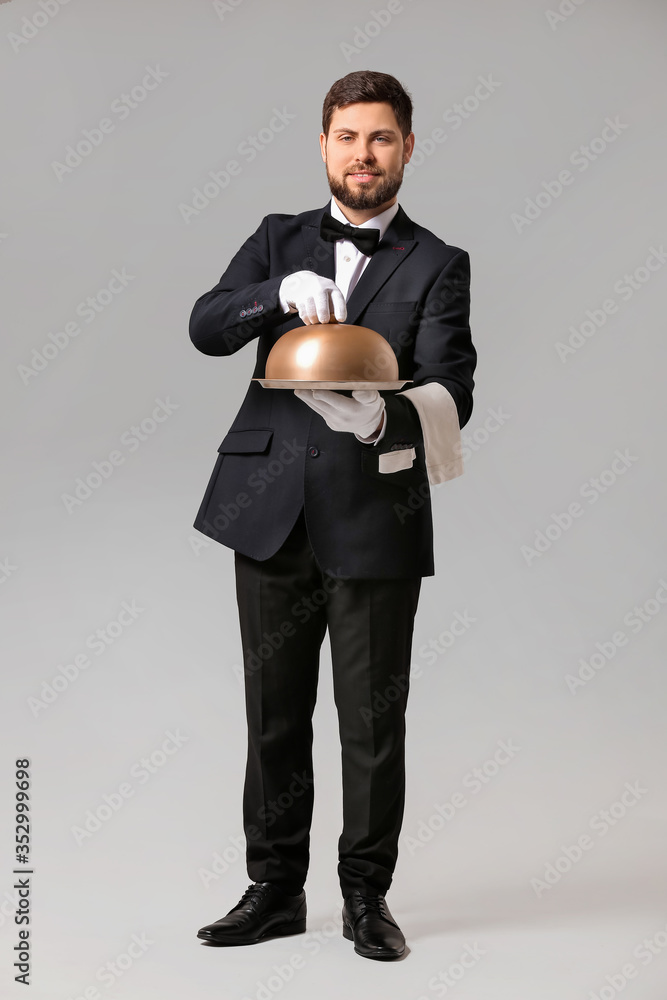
[{"x": 440, "y": 425}]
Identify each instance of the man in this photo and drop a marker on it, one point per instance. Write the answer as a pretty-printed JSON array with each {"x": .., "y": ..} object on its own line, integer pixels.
[{"x": 325, "y": 499}]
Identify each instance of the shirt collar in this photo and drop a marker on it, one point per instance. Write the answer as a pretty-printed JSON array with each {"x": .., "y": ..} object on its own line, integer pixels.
[{"x": 380, "y": 221}]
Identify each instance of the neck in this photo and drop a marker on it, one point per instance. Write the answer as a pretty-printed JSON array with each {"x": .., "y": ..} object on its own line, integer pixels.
[{"x": 358, "y": 215}]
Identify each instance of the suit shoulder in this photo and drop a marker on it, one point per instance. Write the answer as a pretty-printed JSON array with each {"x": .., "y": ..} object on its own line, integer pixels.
[
  {"x": 434, "y": 244},
  {"x": 279, "y": 227},
  {"x": 291, "y": 219}
]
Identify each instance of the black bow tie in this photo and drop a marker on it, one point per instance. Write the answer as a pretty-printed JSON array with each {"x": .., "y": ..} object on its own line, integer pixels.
[{"x": 365, "y": 240}]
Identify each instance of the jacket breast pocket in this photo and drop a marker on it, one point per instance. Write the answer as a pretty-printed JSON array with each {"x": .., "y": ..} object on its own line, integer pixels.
[
  {"x": 396, "y": 321},
  {"x": 247, "y": 442}
]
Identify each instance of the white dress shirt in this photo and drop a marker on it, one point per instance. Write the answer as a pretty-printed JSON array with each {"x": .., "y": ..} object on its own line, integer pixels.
[
  {"x": 351, "y": 262},
  {"x": 434, "y": 403}
]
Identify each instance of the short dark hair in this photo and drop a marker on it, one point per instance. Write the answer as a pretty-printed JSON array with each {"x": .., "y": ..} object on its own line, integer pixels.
[{"x": 366, "y": 85}]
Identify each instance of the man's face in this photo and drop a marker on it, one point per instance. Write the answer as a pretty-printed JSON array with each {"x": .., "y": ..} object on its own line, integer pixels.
[{"x": 365, "y": 155}]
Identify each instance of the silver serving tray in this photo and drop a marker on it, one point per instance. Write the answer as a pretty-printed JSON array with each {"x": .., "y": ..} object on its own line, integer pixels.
[{"x": 289, "y": 383}]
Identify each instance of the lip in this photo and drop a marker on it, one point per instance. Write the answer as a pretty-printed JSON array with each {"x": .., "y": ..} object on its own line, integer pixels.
[{"x": 363, "y": 177}]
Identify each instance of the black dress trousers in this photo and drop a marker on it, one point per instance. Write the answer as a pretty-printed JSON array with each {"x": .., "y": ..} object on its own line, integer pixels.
[{"x": 286, "y": 603}]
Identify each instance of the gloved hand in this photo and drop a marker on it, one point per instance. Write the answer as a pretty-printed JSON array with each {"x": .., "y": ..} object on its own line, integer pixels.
[
  {"x": 315, "y": 298},
  {"x": 359, "y": 415}
]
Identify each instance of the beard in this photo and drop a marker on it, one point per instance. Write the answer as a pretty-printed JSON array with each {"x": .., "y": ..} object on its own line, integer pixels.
[{"x": 365, "y": 196}]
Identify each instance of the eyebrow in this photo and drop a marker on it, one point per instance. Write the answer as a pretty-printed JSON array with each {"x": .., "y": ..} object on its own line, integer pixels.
[{"x": 377, "y": 131}]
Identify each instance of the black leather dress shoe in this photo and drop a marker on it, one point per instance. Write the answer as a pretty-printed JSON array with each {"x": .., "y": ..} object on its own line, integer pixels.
[
  {"x": 264, "y": 911},
  {"x": 368, "y": 922}
]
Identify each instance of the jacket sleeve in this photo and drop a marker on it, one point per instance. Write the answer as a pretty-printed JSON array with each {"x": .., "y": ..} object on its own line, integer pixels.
[
  {"x": 440, "y": 399},
  {"x": 444, "y": 351},
  {"x": 243, "y": 303}
]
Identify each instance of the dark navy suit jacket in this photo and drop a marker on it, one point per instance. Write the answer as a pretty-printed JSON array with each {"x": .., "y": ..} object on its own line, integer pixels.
[{"x": 279, "y": 455}]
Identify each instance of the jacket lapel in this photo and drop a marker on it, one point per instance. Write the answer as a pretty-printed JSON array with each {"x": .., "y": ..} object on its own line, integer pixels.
[{"x": 395, "y": 247}]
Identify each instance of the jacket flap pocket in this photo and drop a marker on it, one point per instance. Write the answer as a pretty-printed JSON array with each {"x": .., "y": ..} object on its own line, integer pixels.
[{"x": 246, "y": 442}]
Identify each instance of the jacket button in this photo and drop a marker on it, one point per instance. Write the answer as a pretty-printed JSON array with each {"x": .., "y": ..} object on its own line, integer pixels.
[
  {"x": 313, "y": 452},
  {"x": 242, "y": 313}
]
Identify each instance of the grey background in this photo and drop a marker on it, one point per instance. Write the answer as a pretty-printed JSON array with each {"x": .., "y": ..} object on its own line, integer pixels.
[{"x": 172, "y": 669}]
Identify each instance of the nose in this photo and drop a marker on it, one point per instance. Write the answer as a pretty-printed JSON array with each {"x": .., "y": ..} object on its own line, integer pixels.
[{"x": 363, "y": 152}]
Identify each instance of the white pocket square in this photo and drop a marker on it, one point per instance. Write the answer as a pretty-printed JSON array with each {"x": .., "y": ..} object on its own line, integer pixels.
[{"x": 394, "y": 461}]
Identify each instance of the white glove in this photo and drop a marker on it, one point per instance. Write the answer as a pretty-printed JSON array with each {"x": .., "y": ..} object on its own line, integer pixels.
[
  {"x": 359, "y": 415},
  {"x": 315, "y": 298}
]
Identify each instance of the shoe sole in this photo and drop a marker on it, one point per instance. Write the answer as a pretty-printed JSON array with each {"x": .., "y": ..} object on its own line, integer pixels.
[
  {"x": 380, "y": 956},
  {"x": 281, "y": 930}
]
